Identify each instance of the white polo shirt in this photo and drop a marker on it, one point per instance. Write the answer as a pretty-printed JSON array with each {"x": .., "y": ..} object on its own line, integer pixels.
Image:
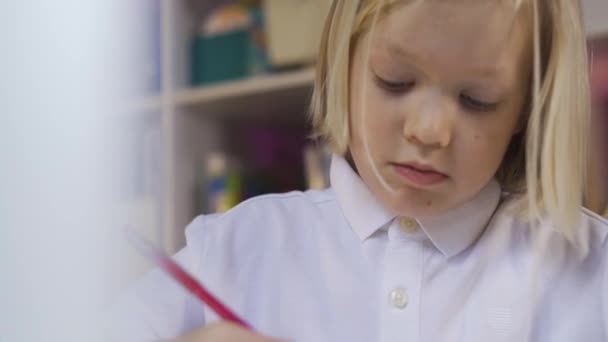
[{"x": 335, "y": 265}]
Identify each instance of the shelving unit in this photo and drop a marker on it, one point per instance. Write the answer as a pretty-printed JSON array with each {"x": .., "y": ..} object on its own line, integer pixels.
[{"x": 195, "y": 121}]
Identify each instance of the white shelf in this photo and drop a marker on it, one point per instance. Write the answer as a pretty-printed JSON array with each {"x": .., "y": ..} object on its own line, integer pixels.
[
  {"x": 256, "y": 96},
  {"x": 274, "y": 95},
  {"x": 266, "y": 84}
]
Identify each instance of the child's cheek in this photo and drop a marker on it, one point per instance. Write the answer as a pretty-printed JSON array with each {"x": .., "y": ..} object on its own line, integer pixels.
[
  {"x": 480, "y": 156},
  {"x": 381, "y": 118}
]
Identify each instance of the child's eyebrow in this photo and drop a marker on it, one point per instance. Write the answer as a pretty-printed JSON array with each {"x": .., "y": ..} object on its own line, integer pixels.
[
  {"x": 485, "y": 71},
  {"x": 396, "y": 50}
]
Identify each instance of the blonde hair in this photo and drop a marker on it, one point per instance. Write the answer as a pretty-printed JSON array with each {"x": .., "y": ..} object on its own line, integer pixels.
[{"x": 546, "y": 161}]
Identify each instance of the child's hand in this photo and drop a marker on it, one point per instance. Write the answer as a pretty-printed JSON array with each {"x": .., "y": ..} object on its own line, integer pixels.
[{"x": 225, "y": 332}]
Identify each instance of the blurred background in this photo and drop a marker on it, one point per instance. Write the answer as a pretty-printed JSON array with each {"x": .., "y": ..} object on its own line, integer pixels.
[{"x": 148, "y": 113}]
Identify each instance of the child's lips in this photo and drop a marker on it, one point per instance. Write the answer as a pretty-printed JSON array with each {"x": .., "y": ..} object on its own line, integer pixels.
[{"x": 419, "y": 174}]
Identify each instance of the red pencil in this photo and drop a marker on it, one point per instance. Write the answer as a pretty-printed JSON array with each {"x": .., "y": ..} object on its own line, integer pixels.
[{"x": 182, "y": 277}]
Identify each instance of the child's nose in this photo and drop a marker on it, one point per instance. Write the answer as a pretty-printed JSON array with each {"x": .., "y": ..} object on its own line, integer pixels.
[{"x": 430, "y": 122}]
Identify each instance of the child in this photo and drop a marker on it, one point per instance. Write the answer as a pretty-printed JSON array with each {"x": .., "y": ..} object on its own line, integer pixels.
[{"x": 454, "y": 214}]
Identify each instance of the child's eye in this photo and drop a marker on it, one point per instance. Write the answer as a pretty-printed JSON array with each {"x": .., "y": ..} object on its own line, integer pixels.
[
  {"x": 394, "y": 86},
  {"x": 477, "y": 105}
]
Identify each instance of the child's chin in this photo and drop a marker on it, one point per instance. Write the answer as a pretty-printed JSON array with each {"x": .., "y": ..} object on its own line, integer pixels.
[{"x": 420, "y": 205}]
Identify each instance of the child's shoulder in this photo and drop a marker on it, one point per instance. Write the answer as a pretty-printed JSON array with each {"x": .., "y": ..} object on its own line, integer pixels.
[
  {"x": 260, "y": 231},
  {"x": 592, "y": 229},
  {"x": 596, "y": 226},
  {"x": 294, "y": 200},
  {"x": 595, "y": 221},
  {"x": 287, "y": 206},
  {"x": 266, "y": 214}
]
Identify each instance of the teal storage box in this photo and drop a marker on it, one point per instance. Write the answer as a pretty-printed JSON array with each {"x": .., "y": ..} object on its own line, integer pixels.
[{"x": 220, "y": 57}]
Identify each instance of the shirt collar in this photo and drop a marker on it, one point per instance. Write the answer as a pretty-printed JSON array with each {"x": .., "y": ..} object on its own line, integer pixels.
[
  {"x": 451, "y": 232},
  {"x": 362, "y": 209}
]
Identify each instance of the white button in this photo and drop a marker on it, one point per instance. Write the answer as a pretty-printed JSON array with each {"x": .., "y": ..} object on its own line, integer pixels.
[
  {"x": 408, "y": 224},
  {"x": 398, "y": 298}
]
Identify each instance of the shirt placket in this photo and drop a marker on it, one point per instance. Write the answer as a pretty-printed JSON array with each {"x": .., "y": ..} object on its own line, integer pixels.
[{"x": 402, "y": 274}]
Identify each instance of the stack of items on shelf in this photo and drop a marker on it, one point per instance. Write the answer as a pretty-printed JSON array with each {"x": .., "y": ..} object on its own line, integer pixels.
[
  {"x": 250, "y": 37},
  {"x": 278, "y": 161},
  {"x": 229, "y": 44}
]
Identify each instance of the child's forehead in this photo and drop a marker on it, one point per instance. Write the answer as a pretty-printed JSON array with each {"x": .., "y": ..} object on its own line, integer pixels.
[
  {"x": 509, "y": 3},
  {"x": 466, "y": 30},
  {"x": 392, "y": 4},
  {"x": 466, "y": 14}
]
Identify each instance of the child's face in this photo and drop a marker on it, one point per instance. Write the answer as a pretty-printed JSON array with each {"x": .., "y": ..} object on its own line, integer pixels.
[{"x": 444, "y": 88}]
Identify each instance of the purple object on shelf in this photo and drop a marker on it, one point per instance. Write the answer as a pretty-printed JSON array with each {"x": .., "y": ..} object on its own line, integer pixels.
[{"x": 275, "y": 158}]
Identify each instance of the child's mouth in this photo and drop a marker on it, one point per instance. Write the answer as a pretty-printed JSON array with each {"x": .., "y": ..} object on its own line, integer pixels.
[{"x": 419, "y": 175}]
